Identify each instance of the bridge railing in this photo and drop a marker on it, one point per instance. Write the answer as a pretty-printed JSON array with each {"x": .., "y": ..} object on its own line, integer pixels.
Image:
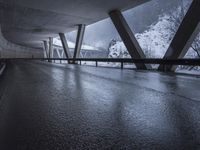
[{"x": 165, "y": 62}]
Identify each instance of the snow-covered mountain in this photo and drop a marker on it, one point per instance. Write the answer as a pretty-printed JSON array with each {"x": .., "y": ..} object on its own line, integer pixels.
[{"x": 154, "y": 41}]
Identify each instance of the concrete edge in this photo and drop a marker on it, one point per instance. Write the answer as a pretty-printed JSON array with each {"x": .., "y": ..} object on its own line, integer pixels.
[{"x": 2, "y": 68}]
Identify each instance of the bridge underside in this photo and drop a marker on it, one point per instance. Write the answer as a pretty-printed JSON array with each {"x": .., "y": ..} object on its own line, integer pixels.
[
  {"x": 46, "y": 106},
  {"x": 30, "y": 22}
]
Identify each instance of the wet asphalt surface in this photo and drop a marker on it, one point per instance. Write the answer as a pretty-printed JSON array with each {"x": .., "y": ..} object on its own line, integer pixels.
[{"x": 57, "y": 107}]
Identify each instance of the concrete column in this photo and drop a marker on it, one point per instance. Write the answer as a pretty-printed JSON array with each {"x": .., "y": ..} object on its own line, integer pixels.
[
  {"x": 128, "y": 38},
  {"x": 53, "y": 50},
  {"x": 79, "y": 40},
  {"x": 184, "y": 37},
  {"x": 46, "y": 48},
  {"x": 50, "y": 47},
  {"x": 44, "y": 53},
  {"x": 62, "y": 54},
  {"x": 58, "y": 53},
  {"x": 65, "y": 45}
]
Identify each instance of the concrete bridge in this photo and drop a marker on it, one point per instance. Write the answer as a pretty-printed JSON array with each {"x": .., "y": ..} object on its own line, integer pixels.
[{"x": 46, "y": 106}]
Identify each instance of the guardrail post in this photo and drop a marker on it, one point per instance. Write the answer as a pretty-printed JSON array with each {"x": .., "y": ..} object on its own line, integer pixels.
[
  {"x": 122, "y": 65},
  {"x": 164, "y": 66},
  {"x": 96, "y": 64}
]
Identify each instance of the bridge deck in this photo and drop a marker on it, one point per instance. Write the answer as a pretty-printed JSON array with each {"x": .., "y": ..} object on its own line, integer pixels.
[{"x": 44, "y": 106}]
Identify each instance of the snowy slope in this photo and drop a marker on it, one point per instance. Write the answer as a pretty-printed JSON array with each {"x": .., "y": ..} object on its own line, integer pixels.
[
  {"x": 157, "y": 38},
  {"x": 117, "y": 49},
  {"x": 154, "y": 41}
]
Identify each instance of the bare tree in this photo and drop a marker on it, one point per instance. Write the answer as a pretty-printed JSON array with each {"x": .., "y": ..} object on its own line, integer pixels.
[
  {"x": 196, "y": 45},
  {"x": 176, "y": 17}
]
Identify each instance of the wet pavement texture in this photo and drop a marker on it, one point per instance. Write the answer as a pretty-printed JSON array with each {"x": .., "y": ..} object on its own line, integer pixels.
[{"x": 58, "y": 107}]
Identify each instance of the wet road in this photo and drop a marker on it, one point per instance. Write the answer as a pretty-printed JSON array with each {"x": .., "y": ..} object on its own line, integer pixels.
[{"x": 55, "y": 107}]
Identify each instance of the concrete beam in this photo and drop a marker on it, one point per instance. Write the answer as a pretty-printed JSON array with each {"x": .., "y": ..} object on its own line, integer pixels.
[
  {"x": 50, "y": 47},
  {"x": 184, "y": 37},
  {"x": 128, "y": 38},
  {"x": 67, "y": 12},
  {"x": 79, "y": 40},
  {"x": 65, "y": 45},
  {"x": 46, "y": 48}
]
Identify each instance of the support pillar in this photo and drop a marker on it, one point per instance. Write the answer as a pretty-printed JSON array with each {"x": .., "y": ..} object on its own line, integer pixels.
[
  {"x": 50, "y": 47},
  {"x": 128, "y": 38},
  {"x": 79, "y": 40},
  {"x": 65, "y": 45},
  {"x": 184, "y": 37},
  {"x": 58, "y": 53},
  {"x": 45, "y": 48}
]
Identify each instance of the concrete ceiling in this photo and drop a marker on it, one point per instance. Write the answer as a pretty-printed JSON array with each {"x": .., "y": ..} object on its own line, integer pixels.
[{"x": 28, "y": 22}]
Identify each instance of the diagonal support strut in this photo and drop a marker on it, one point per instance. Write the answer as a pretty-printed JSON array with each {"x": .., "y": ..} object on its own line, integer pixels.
[
  {"x": 79, "y": 40},
  {"x": 184, "y": 37},
  {"x": 128, "y": 38},
  {"x": 65, "y": 45}
]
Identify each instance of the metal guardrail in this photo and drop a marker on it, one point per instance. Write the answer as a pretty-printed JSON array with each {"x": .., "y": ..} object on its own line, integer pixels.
[
  {"x": 194, "y": 62},
  {"x": 187, "y": 62}
]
